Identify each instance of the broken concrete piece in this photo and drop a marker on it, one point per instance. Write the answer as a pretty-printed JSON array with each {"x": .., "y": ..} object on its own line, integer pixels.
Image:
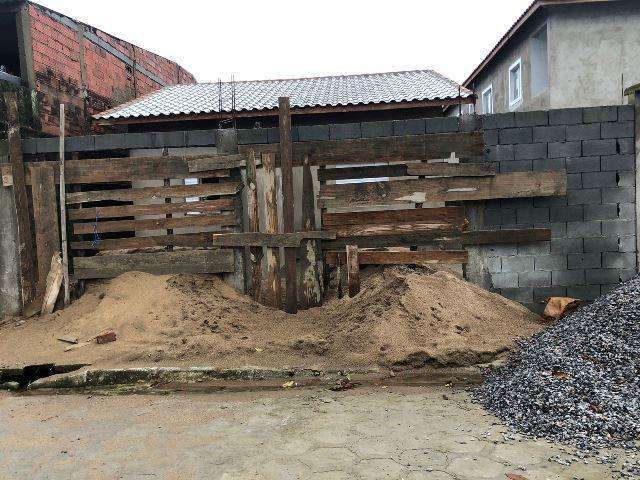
[{"x": 106, "y": 337}]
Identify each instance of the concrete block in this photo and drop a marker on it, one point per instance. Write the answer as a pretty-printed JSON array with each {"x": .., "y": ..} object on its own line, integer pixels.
[
  {"x": 565, "y": 116},
  {"x": 618, "y": 163},
  {"x": 490, "y": 122},
  {"x": 567, "y": 214},
  {"x": 516, "y": 166},
  {"x": 501, "y": 250},
  {"x": 602, "y": 276},
  {"x": 601, "y": 212},
  {"x": 441, "y": 125},
  {"x": 626, "y": 113},
  {"x": 586, "y": 292},
  {"x": 311, "y": 133},
  {"x": 107, "y": 142},
  {"x": 522, "y": 295},
  {"x": 626, "y": 275},
  {"x": 534, "y": 279},
  {"x": 515, "y": 135},
  {"x": 627, "y": 244},
  {"x": 600, "y": 244},
  {"x": 532, "y": 119},
  {"x": 470, "y": 123},
  {"x": 621, "y": 228},
  {"x": 52, "y": 145},
  {"x": 169, "y": 139},
  {"x": 627, "y": 146},
  {"x": 552, "y": 262},
  {"x": 618, "y": 195},
  {"x": 581, "y": 261},
  {"x": 494, "y": 265},
  {"x": 618, "y": 130},
  {"x": 600, "y": 114},
  {"x": 85, "y": 143},
  {"x": 534, "y": 249},
  {"x": 585, "y": 131},
  {"x": 583, "y": 164},
  {"x": 553, "y": 133},
  {"x": 591, "y": 196},
  {"x": 558, "y": 229},
  {"x": 626, "y": 179},
  {"x": 550, "y": 201},
  {"x": 599, "y": 179},
  {"x": 29, "y": 146},
  {"x": 247, "y": 136},
  {"x": 530, "y": 151},
  {"x": 549, "y": 164},
  {"x": 568, "y": 278},
  {"x": 491, "y": 137},
  {"x": 203, "y": 138},
  {"x": 504, "y": 280},
  {"x": 543, "y": 294},
  {"x": 599, "y": 147},
  {"x": 626, "y": 211},
  {"x": 532, "y": 215},
  {"x": 584, "y": 229},
  {"x": 504, "y": 120},
  {"x": 273, "y": 134},
  {"x": 618, "y": 260},
  {"x": 382, "y": 129},
  {"x": 342, "y": 131},
  {"x": 567, "y": 245},
  {"x": 516, "y": 203},
  {"x": 517, "y": 264},
  {"x": 565, "y": 149},
  {"x": 574, "y": 181},
  {"x": 409, "y": 127}
]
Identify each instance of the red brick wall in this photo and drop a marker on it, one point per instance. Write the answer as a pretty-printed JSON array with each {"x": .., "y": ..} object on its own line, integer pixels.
[{"x": 109, "y": 80}]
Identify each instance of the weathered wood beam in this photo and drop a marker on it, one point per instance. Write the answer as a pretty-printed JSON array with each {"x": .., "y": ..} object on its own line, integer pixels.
[
  {"x": 154, "y": 224},
  {"x": 453, "y": 215},
  {"x": 216, "y": 162},
  {"x": 272, "y": 288},
  {"x": 192, "y": 240},
  {"x": 377, "y": 171},
  {"x": 270, "y": 240},
  {"x": 353, "y": 270},
  {"x": 451, "y": 169},
  {"x": 310, "y": 275}
]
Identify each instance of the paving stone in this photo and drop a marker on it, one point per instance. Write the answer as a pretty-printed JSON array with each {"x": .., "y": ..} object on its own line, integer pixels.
[
  {"x": 477, "y": 467},
  {"x": 325, "y": 459},
  {"x": 383, "y": 468}
]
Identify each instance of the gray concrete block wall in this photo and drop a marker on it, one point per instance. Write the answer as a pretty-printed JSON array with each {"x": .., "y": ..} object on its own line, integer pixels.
[{"x": 593, "y": 244}]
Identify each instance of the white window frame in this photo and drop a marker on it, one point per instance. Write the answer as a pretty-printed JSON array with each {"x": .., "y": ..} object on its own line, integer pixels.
[
  {"x": 484, "y": 92},
  {"x": 515, "y": 101}
]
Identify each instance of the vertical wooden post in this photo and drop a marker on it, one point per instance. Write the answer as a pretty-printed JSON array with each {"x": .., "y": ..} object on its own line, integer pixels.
[
  {"x": 637, "y": 107},
  {"x": 286, "y": 164},
  {"x": 353, "y": 270},
  {"x": 25, "y": 235},
  {"x": 63, "y": 210},
  {"x": 167, "y": 183},
  {"x": 253, "y": 210},
  {"x": 272, "y": 291},
  {"x": 311, "y": 291}
]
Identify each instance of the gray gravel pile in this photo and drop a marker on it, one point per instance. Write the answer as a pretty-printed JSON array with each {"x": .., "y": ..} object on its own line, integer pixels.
[{"x": 577, "y": 382}]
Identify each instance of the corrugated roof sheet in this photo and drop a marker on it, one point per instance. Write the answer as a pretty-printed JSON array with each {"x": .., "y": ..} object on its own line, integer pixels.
[{"x": 345, "y": 90}]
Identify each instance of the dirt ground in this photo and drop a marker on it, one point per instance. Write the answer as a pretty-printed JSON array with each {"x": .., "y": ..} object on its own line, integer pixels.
[{"x": 402, "y": 319}]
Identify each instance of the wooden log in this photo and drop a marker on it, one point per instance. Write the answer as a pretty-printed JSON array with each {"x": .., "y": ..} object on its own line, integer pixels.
[
  {"x": 253, "y": 211},
  {"x": 155, "y": 224},
  {"x": 161, "y": 263},
  {"x": 63, "y": 211},
  {"x": 454, "y": 215},
  {"x": 203, "y": 207},
  {"x": 310, "y": 286},
  {"x": 52, "y": 284},
  {"x": 216, "y": 162},
  {"x": 395, "y": 229},
  {"x": 395, "y": 240},
  {"x": 113, "y": 170},
  {"x": 272, "y": 290},
  {"x": 178, "y": 191},
  {"x": 45, "y": 216},
  {"x": 353, "y": 270},
  {"x": 451, "y": 169},
  {"x": 377, "y": 171},
  {"x": 192, "y": 240},
  {"x": 270, "y": 240},
  {"x": 508, "y": 185},
  {"x": 286, "y": 165},
  {"x": 498, "y": 237},
  {"x": 387, "y": 149},
  {"x": 27, "y": 249},
  {"x": 402, "y": 258}
]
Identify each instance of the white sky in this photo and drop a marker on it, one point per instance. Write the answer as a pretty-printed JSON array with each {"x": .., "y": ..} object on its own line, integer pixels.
[{"x": 262, "y": 39}]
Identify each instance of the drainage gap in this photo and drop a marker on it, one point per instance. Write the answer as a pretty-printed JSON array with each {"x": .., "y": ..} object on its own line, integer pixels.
[{"x": 23, "y": 377}]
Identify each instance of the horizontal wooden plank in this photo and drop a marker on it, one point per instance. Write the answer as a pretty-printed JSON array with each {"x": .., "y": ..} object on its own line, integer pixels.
[
  {"x": 496, "y": 237},
  {"x": 395, "y": 239},
  {"x": 180, "y": 191},
  {"x": 191, "y": 221},
  {"x": 108, "y": 170},
  {"x": 508, "y": 185},
  {"x": 205, "y": 206},
  {"x": 395, "y": 229},
  {"x": 181, "y": 240},
  {"x": 451, "y": 169},
  {"x": 377, "y": 217},
  {"x": 402, "y": 258},
  {"x": 272, "y": 240},
  {"x": 385, "y": 149},
  {"x": 377, "y": 171},
  {"x": 160, "y": 263},
  {"x": 216, "y": 162}
]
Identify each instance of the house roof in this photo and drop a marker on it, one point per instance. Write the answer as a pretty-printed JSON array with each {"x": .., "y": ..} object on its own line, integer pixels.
[
  {"x": 262, "y": 95},
  {"x": 534, "y": 8}
]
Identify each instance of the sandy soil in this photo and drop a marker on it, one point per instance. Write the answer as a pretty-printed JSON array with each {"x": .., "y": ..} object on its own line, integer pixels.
[{"x": 402, "y": 319}]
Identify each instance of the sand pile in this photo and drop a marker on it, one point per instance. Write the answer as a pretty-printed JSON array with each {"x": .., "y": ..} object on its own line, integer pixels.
[{"x": 402, "y": 319}]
